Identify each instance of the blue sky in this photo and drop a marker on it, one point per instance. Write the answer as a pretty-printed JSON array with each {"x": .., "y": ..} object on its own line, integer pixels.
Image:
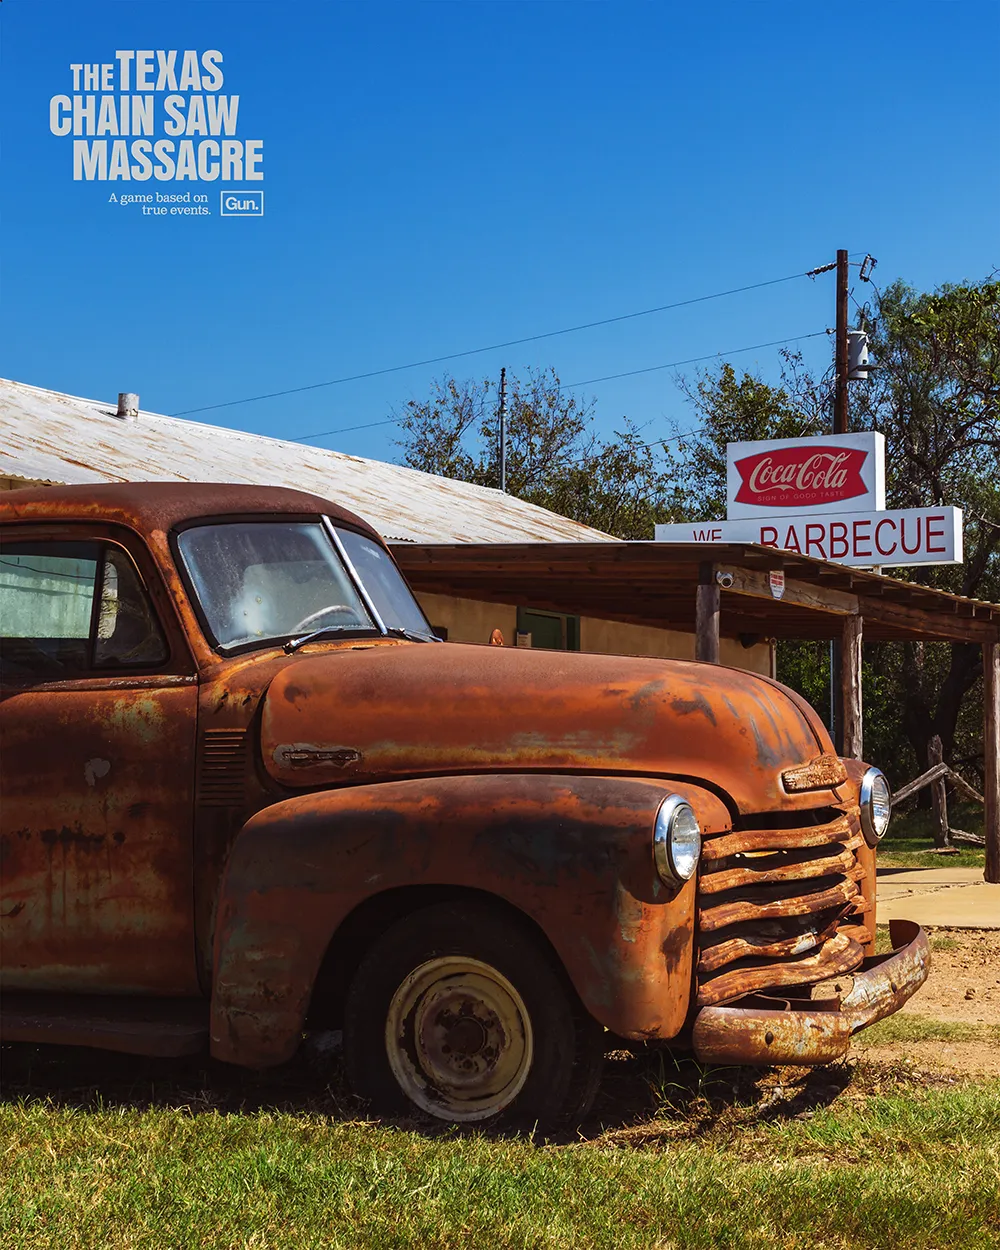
[{"x": 442, "y": 176}]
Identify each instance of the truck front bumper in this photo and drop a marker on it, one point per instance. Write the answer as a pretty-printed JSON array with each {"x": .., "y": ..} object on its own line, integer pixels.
[{"x": 759, "y": 1030}]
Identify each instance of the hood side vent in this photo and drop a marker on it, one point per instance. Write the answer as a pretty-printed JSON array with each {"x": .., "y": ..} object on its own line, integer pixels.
[{"x": 222, "y": 758}]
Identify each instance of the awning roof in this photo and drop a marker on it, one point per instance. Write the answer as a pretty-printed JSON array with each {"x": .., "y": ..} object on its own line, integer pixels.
[{"x": 651, "y": 583}]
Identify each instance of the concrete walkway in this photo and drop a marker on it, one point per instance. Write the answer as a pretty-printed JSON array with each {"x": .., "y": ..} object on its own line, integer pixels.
[{"x": 941, "y": 898}]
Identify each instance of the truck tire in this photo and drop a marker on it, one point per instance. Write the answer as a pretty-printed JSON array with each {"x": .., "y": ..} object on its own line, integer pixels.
[{"x": 457, "y": 1012}]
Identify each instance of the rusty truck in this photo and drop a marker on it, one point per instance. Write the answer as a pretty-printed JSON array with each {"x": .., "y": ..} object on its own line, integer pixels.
[{"x": 247, "y": 794}]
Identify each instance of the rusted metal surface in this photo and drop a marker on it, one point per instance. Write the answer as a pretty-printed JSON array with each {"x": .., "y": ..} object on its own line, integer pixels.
[
  {"x": 209, "y": 828},
  {"x": 774, "y": 904},
  {"x": 837, "y": 954},
  {"x": 772, "y": 939},
  {"x": 163, "y": 1028},
  {"x": 757, "y": 1031},
  {"x": 887, "y": 981},
  {"x": 825, "y": 773},
  {"x": 837, "y": 830},
  {"x": 427, "y": 710},
  {"x": 97, "y": 777},
  {"x": 572, "y": 854},
  {"x": 866, "y": 855},
  {"x": 53, "y": 437},
  {"x": 96, "y": 837},
  {"x": 780, "y": 907},
  {"x": 148, "y": 507},
  {"x": 758, "y": 1036},
  {"x": 794, "y": 866}
]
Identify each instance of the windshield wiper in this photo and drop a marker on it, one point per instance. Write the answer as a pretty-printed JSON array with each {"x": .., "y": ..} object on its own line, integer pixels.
[
  {"x": 293, "y": 644},
  {"x": 398, "y": 631},
  {"x": 393, "y": 631}
]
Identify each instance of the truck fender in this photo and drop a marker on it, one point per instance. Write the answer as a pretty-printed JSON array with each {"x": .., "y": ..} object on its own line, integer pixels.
[{"x": 573, "y": 853}]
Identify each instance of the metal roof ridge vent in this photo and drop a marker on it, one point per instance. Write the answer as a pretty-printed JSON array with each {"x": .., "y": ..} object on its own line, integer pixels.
[{"x": 128, "y": 406}]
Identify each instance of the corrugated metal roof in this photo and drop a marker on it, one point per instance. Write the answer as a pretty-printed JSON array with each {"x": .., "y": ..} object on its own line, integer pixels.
[{"x": 51, "y": 437}]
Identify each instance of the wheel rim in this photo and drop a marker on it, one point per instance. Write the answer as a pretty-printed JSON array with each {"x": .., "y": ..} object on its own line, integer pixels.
[{"x": 458, "y": 1038}]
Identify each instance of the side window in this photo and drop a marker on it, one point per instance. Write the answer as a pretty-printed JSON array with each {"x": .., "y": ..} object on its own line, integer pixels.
[
  {"x": 67, "y": 608},
  {"x": 127, "y": 632}
]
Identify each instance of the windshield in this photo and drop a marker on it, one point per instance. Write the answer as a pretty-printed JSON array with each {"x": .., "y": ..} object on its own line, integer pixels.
[
  {"x": 265, "y": 580},
  {"x": 392, "y": 598},
  {"x": 261, "y": 581}
]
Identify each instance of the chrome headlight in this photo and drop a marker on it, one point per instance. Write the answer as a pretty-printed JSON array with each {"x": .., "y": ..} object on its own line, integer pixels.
[
  {"x": 876, "y": 805},
  {"x": 676, "y": 840}
]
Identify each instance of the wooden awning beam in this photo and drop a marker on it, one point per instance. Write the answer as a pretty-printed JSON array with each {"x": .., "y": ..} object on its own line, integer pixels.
[
  {"x": 655, "y": 584},
  {"x": 811, "y": 595}
]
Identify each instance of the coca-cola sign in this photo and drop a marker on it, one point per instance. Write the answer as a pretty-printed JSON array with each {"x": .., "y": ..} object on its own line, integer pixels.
[
  {"x": 785, "y": 476},
  {"x": 797, "y": 477}
]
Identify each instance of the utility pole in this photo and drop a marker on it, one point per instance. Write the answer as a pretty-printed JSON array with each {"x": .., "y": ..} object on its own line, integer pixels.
[
  {"x": 840, "y": 408},
  {"x": 503, "y": 429},
  {"x": 840, "y": 416},
  {"x": 840, "y": 405}
]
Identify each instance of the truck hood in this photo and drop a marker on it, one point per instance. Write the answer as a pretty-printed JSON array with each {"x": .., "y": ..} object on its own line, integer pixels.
[{"x": 384, "y": 713}]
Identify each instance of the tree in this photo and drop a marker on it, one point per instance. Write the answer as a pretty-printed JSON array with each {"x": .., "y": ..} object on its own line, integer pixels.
[
  {"x": 934, "y": 395},
  {"x": 936, "y": 398},
  {"x": 554, "y": 458},
  {"x": 733, "y": 409}
]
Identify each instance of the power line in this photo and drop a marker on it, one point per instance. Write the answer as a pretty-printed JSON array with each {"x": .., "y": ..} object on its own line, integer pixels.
[
  {"x": 568, "y": 386},
  {"x": 693, "y": 360},
  {"x": 475, "y": 351}
]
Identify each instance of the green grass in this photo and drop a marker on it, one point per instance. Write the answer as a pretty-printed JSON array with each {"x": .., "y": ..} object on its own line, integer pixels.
[
  {"x": 939, "y": 941},
  {"x": 911, "y": 837},
  {"x": 905, "y": 1028},
  {"x": 847, "y": 1157}
]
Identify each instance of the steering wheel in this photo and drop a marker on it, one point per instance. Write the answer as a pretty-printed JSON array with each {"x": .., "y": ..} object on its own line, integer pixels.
[{"x": 320, "y": 613}]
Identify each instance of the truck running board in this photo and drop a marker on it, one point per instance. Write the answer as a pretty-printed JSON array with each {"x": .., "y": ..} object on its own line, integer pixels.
[{"x": 163, "y": 1027}]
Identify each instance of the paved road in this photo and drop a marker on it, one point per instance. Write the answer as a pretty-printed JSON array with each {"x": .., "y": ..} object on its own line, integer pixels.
[{"x": 944, "y": 898}]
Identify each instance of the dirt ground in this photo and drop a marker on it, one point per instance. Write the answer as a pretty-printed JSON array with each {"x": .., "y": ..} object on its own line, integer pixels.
[{"x": 963, "y": 989}]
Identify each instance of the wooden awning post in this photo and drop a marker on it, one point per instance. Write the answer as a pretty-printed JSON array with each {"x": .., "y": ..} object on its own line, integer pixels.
[
  {"x": 707, "y": 605},
  {"x": 991, "y": 756},
  {"x": 850, "y": 685}
]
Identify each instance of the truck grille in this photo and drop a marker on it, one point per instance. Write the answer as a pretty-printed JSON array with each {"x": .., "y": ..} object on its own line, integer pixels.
[{"x": 779, "y": 906}]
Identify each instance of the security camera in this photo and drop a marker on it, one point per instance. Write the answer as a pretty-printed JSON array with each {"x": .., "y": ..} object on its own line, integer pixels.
[{"x": 725, "y": 580}]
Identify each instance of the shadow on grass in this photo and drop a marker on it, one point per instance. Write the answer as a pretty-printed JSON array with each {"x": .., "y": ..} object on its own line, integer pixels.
[{"x": 647, "y": 1094}]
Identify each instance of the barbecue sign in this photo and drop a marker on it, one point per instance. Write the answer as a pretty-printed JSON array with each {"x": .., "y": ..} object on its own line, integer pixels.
[{"x": 823, "y": 497}]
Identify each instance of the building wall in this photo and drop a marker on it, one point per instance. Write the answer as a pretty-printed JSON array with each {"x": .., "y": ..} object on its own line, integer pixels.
[
  {"x": 618, "y": 638},
  {"x": 471, "y": 620}
]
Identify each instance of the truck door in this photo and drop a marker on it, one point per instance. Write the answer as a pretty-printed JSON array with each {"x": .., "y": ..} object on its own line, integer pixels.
[{"x": 98, "y": 702}]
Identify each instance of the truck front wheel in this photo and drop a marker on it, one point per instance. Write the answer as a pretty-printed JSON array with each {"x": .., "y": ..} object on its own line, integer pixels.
[{"x": 458, "y": 1013}]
